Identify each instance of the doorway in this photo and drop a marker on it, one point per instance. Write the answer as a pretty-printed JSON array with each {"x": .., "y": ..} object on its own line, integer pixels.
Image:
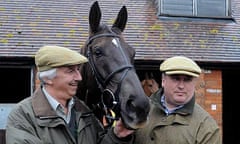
[
  {"x": 15, "y": 85},
  {"x": 231, "y": 125}
]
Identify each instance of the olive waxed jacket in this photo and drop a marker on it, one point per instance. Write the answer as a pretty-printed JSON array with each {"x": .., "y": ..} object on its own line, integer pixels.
[
  {"x": 189, "y": 125},
  {"x": 33, "y": 121}
]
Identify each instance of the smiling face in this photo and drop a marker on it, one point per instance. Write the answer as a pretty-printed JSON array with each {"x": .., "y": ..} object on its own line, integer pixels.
[
  {"x": 64, "y": 85},
  {"x": 178, "y": 89}
]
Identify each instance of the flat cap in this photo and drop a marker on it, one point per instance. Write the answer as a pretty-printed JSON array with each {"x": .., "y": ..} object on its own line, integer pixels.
[
  {"x": 180, "y": 65},
  {"x": 51, "y": 56}
]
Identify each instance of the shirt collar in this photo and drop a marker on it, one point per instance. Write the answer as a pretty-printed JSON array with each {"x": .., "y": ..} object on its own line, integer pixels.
[
  {"x": 53, "y": 102},
  {"x": 166, "y": 110}
]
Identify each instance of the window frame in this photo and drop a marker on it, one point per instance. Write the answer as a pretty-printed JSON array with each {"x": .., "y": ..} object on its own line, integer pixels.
[{"x": 194, "y": 13}]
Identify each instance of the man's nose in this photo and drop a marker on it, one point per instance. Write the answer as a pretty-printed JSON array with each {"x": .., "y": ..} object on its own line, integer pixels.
[
  {"x": 181, "y": 83},
  {"x": 78, "y": 75}
]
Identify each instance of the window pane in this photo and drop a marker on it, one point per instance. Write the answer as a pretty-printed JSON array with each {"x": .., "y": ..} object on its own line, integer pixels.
[
  {"x": 201, "y": 8},
  {"x": 211, "y": 8},
  {"x": 177, "y": 7}
]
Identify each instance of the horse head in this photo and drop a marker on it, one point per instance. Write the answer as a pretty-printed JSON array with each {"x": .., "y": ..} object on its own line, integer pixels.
[
  {"x": 109, "y": 79},
  {"x": 149, "y": 84}
]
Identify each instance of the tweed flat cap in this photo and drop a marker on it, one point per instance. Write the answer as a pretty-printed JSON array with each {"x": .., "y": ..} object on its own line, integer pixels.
[
  {"x": 51, "y": 56},
  {"x": 180, "y": 65}
]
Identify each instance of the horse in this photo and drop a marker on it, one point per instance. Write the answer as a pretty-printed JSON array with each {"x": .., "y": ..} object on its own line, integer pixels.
[
  {"x": 110, "y": 85},
  {"x": 149, "y": 84}
]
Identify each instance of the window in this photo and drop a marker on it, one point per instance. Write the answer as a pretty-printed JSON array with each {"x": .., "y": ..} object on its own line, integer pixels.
[{"x": 195, "y": 8}]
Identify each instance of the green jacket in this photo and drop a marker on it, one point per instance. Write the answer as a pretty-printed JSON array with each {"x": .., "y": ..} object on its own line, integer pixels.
[
  {"x": 33, "y": 121},
  {"x": 189, "y": 125}
]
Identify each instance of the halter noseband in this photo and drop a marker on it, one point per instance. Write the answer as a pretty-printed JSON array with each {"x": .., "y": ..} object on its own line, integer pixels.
[{"x": 103, "y": 81}]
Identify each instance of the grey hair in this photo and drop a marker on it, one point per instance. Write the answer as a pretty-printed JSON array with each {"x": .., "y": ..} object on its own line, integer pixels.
[
  {"x": 163, "y": 74},
  {"x": 49, "y": 74}
]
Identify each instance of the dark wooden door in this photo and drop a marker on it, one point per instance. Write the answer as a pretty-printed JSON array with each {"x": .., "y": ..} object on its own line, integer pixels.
[{"x": 2, "y": 136}]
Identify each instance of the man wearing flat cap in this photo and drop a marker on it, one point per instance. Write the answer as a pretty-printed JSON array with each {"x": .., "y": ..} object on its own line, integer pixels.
[
  {"x": 53, "y": 114},
  {"x": 175, "y": 118}
]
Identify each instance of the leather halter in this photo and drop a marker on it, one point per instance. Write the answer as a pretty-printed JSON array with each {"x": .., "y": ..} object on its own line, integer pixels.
[{"x": 104, "y": 81}]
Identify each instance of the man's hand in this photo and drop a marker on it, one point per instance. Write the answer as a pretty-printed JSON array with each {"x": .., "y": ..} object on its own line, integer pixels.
[{"x": 120, "y": 131}]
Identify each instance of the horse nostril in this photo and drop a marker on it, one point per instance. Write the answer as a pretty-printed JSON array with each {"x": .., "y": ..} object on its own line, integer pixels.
[
  {"x": 131, "y": 106},
  {"x": 138, "y": 107}
]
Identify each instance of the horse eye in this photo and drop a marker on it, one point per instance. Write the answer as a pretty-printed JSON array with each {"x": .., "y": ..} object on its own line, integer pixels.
[
  {"x": 150, "y": 85},
  {"x": 98, "y": 52}
]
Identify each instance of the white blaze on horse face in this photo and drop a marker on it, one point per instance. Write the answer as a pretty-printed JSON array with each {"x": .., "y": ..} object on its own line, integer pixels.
[{"x": 114, "y": 41}]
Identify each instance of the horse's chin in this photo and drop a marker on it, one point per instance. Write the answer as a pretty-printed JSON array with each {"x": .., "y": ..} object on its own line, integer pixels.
[{"x": 133, "y": 123}]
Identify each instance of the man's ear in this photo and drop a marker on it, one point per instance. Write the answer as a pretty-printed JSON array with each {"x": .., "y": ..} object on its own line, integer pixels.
[{"x": 47, "y": 81}]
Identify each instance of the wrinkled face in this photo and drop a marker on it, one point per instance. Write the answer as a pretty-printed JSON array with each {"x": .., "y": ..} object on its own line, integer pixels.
[
  {"x": 112, "y": 60},
  {"x": 64, "y": 85},
  {"x": 178, "y": 89}
]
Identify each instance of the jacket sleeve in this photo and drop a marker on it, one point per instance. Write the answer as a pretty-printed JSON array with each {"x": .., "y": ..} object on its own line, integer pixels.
[
  {"x": 209, "y": 132},
  {"x": 18, "y": 129},
  {"x": 107, "y": 136},
  {"x": 111, "y": 138}
]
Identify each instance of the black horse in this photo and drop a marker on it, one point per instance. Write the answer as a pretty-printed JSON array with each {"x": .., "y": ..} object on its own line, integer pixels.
[{"x": 110, "y": 83}]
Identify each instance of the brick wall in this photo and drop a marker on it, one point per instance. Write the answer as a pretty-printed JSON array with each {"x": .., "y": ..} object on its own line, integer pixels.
[{"x": 209, "y": 93}]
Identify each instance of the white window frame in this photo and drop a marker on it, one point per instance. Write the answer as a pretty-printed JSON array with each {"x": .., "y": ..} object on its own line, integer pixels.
[{"x": 161, "y": 11}]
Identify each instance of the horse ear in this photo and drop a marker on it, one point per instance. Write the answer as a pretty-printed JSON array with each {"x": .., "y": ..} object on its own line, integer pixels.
[
  {"x": 147, "y": 76},
  {"x": 121, "y": 20},
  {"x": 151, "y": 75},
  {"x": 94, "y": 17}
]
